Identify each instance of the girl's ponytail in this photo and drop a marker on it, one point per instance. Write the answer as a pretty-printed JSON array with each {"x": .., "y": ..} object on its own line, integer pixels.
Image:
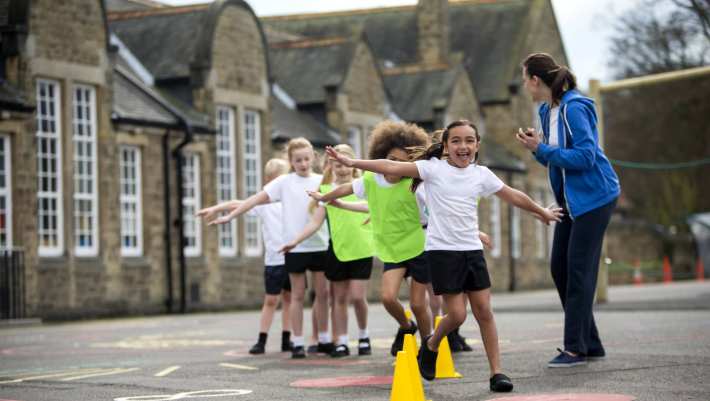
[{"x": 558, "y": 78}]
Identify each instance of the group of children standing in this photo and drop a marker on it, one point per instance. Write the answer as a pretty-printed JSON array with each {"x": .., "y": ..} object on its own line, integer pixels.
[{"x": 421, "y": 198}]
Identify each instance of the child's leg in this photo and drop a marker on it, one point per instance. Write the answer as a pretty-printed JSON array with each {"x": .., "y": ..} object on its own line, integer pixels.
[
  {"x": 481, "y": 306},
  {"x": 286, "y": 310},
  {"x": 340, "y": 308},
  {"x": 435, "y": 302},
  {"x": 456, "y": 314},
  {"x": 267, "y": 312},
  {"x": 391, "y": 281},
  {"x": 420, "y": 309},
  {"x": 298, "y": 290},
  {"x": 320, "y": 284},
  {"x": 358, "y": 297}
]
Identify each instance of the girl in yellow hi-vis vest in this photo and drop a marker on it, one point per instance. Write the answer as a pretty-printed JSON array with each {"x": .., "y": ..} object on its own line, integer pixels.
[{"x": 349, "y": 261}]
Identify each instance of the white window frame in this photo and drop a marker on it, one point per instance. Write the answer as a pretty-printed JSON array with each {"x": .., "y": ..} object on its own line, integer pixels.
[
  {"x": 355, "y": 140},
  {"x": 495, "y": 227},
  {"x": 6, "y": 190},
  {"x": 191, "y": 203},
  {"x": 515, "y": 233},
  {"x": 540, "y": 229},
  {"x": 56, "y": 196},
  {"x": 134, "y": 198},
  {"x": 82, "y": 195},
  {"x": 252, "y": 153},
  {"x": 225, "y": 167}
]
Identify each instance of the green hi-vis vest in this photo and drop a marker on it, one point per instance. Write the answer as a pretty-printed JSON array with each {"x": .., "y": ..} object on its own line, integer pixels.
[
  {"x": 394, "y": 214},
  {"x": 352, "y": 240}
]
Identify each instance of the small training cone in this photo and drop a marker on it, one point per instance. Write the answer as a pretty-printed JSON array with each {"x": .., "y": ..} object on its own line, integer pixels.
[
  {"x": 700, "y": 270},
  {"x": 638, "y": 275},
  {"x": 410, "y": 345},
  {"x": 444, "y": 361},
  {"x": 403, "y": 387},
  {"x": 667, "y": 272},
  {"x": 408, "y": 314},
  {"x": 414, "y": 367}
]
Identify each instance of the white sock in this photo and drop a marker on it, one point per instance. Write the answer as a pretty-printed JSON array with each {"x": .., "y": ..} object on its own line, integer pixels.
[
  {"x": 324, "y": 337},
  {"x": 343, "y": 339},
  {"x": 364, "y": 333},
  {"x": 297, "y": 341}
]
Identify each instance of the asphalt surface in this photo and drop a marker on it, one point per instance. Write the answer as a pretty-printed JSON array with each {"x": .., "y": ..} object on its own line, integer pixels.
[{"x": 657, "y": 339}]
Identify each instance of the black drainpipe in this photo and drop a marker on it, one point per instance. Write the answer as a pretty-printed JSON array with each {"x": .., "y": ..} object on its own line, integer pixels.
[
  {"x": 177, "y": 154},
  {"x": 167, "y": 240},
  {"x": 512, "y": 282}
]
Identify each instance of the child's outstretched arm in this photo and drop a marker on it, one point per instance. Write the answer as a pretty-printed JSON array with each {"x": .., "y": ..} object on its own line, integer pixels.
[
  {"x": 259, "y": 198},
  {"x": 339, "y": 192},
  {"x": 209, "y": 213},
  {"x": 311, "y": 227},
  {"x": 382, "y": 166},
  {"x": 521, "y": 200},
  {"x": 360, "y": 207}
]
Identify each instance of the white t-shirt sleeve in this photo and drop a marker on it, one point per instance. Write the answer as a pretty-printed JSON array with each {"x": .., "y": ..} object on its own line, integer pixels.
[
  {"x": 275, "y": 187},
  {"x": 491, "y": 182},
  {"x": 425, "y": 168},
  {"x": 359, "y": 188}
]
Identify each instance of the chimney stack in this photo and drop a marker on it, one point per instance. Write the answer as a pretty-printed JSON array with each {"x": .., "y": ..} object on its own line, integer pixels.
[{"x": 433, "y": 31}]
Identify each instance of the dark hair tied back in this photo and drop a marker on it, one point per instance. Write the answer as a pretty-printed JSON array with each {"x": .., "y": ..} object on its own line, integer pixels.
[{"x": 557, "y": 77}]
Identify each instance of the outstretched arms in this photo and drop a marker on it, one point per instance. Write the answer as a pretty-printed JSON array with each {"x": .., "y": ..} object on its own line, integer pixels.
[
  {"x": 382, "y": 166},
  {"x": 521, "y": 200},
  {"x": 311, "y": 227},
  {"x": 257, "y": 199}
]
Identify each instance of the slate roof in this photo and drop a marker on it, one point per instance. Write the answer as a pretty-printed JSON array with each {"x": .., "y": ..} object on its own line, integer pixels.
[
  {"x": 11, "y": 98},
  {"x": 289, "y": 123},
  {"x": 304, "y": 68},
  {"x": 494, "y": 155},
  {"x": 133, "y": 103},
  {"x": 488, "y": 33},
  {"x": 414, "y": 95},
  {"x": 130, "y": 5}
]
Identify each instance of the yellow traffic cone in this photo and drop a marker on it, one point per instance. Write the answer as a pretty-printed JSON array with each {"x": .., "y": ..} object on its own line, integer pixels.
[
  {"x": 410, "y": 347},
  {"x": 444, "y": 361},
  {"x": 404, "y": 385}
]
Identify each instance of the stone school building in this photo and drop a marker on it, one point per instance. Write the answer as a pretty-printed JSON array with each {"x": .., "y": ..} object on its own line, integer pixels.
[{"x": 120, "y": 118}]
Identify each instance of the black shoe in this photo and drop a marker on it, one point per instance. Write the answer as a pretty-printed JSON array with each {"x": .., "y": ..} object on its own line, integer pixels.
[
  {"x": 454, "y": 342},
  {"x": 364, "y": 347},
  {"x": 312, "y": 349},
  {"x": 427, "y": 360},
  {"x": 501, "y": 383},
  {"x": 258, "y": 348},
  {"x": 325, "y": 348},
  {"x": 596, "y": 354},
  {"x": 340, "y": 351},
  {"x": 399, "y": 338},
  {"x": 285, "y": 347},
  {"x": 297, "y": 352},
  {"x": 462, "y": 341}
]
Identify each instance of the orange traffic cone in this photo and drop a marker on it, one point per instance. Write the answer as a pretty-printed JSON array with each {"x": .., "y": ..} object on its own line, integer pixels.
[
  {"x": 638, "y": 275},
  {"x": 667, "y": 272},
  {"x": 700, "y": 270}
]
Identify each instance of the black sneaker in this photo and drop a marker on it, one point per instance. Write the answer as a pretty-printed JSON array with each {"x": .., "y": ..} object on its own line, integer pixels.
[
  {"x": 297, "y": 352},
  {"x": 399, "y": 338},
  {"x": 286, "y": 346},
  {"x": 596, "y": 354},
  {"x": 258, "y": 348},
  {"x": 340, "y": 351},
  {"x": 464, "y": 345},
  {"x": 427, "y": 360},
  {"x": 364, "y": 347},
  {"x": 454, "y": 342},
  {"x": 501, "y": 383},
  {"x": 312, "y": 349},
  {"x": 325, "y": 348}
]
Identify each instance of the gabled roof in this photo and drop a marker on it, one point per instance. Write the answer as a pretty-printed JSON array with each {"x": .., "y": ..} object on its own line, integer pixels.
[
  {"x": 133, "y": 103},
  {"x": 13, "y": 99},
  {"x": 289, "y": 123},
  {"x": 414, "y": 94},
  {"x": 305, "y": 68},
  {"x": 486, "y": 32}
]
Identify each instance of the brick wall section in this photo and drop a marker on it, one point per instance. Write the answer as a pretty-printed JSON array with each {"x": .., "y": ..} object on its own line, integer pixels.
[
  {"x": 71, "y": 31},
  {"x": 363, "y": 85},
  {"x": 433, "y": 26},
  {"x": 463, "y": 102},
  {"x": 238, "y": 54}
]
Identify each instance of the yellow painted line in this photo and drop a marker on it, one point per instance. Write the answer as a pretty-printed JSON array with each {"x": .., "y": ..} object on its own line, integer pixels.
[
  {"x": 235, "y": 366},
  {"x": 167, "y": 371},
  {"x": 110, "y": 372},
  {"x": 73, "y": 372}
]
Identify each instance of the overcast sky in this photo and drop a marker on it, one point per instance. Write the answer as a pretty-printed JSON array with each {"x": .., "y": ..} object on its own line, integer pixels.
[{"x": 584, "y": 24}]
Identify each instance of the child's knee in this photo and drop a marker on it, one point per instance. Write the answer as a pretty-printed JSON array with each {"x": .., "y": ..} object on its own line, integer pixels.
[
  {"x": 482, "y": 313},
  {"x": 389, "y": 298},
  {"x": 271, "y": 301},
  {"x": 457, "y": 317}
]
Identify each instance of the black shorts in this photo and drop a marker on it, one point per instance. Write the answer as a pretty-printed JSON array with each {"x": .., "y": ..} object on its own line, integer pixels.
[
  {"x": 458, "y": 271},
  {"x": 298, "y": 262},
  {"x": 276, "y": 279},
  {"x": 417, "y": 267},
  {"x": 358, "y": 269}
]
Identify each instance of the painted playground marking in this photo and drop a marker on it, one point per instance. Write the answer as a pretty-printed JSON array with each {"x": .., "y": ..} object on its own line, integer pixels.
[
  {"x": 236, "y": 366},
  {"x": 188, "y": 395},
  {"x": 71, "y": 374},
  {"x": 355, "y": 381},
  {"x": 568, "y": 397},
  {"x": 167, "y": 371}
]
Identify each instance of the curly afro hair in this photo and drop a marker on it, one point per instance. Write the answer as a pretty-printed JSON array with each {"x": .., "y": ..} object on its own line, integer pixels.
[{"x": 389, "y": 135}]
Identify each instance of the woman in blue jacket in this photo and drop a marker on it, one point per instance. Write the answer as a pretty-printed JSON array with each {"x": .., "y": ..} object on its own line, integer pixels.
[{"x": 585, "y": 186}]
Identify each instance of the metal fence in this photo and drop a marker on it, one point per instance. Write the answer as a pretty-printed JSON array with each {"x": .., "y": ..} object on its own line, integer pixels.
[{"x": 12, "y": 284}]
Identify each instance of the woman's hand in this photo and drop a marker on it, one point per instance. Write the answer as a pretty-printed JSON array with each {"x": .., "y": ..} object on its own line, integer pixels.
[
  {"x": 529, "y": 138},
  {"x": 339, "y": 157}
]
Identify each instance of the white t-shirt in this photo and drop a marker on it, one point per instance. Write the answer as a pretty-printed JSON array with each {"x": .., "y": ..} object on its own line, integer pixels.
[
  {"x": 272, "y": 231},
  {"x": 554, "y": 120},
  {"x": 452, "y": 199},
  {"x": 290, "y": 190},
  {"x": 420, "y": 195}
]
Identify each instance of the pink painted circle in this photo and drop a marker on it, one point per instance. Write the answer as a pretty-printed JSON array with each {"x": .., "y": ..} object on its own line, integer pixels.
[
  {"x": 568, "y": 397},
  {"x": 353, "y": 381}
]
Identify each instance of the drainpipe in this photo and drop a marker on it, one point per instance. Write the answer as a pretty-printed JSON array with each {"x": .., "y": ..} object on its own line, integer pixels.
[
  {"x": 177, "y": 154},
  {"x": 167, "y": 234}
]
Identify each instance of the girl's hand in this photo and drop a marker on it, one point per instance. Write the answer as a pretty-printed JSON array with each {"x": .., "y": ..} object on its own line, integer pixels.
[
  {"x": 486, "y": 239},
  {"x": 317, "y": 196},
  {"x": 529, "y": 138},
  {"x": 288, "y": 247},
  {"x": 221, "y": 220},
  {"x": 335, "y": 155}
]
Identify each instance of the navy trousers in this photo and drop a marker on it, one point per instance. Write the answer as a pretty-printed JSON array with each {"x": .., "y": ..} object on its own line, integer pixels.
[{"x": 576, "y": 250}]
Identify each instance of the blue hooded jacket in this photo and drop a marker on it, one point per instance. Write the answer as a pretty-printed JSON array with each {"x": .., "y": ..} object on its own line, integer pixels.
[{"x": 589, "y": 180}]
